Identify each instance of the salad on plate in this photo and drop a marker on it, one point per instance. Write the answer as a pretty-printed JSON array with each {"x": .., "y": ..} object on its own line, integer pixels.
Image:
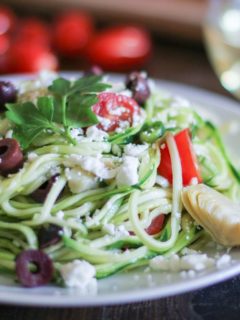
[{"x": 99, "y": 177}]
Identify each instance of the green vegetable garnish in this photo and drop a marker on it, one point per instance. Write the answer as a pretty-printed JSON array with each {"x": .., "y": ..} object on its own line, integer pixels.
[{"x": 67, "y": 106}]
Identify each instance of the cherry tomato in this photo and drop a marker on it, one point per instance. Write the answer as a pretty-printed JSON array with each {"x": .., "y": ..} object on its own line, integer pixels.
[
  {"x": 30, "y": 57},
  {"x": 72, "y": 32},
  {"x": 156, "y": 225},
  {"x": 7, "y": 19},
  {"x": 33, "y": 30},
  {"x": 120, "y": 48},
  {"x": 115, "y": 110},
  {"x": 4, "y": 43},
  {"x": 188, "y": 159}
]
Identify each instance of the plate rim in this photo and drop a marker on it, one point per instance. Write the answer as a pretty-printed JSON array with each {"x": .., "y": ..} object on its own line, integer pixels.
[{"x": 197, "y": 96}]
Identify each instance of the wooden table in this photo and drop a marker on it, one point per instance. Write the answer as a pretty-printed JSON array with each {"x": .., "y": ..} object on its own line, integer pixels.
[{"x": 188, "y": 65}]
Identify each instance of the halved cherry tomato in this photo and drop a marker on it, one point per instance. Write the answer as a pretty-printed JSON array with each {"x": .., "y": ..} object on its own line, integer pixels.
[
  {"x": 72, "y": 32},
  {"x": 30, "y": 57},
  {"x": 115, "y": 109},
  {"x": 33, "y": 30},
  {"x": 7, "y": 19},
  {"x": 156, "y": 225},
  {"x": 188, "y": 159},
  {"x": 120, "y": 48}
]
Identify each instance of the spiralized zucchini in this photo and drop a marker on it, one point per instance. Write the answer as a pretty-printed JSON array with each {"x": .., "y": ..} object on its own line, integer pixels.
[{"x": 105, "y": 222}]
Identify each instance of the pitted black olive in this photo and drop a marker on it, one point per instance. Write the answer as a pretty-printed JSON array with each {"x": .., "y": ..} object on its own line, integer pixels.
[
  {"x": 8, "y": 94},
  {"x": 43, "y": 272},
  {"x": 49, "y": 235},
  {"x": 138, "y": 84},
  {"x": 11, "y": 157},
  {"x": 41, "y": 193}
]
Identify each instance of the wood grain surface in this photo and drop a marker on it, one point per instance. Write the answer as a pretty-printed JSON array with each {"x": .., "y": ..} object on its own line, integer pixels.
[{"x": 189, "y": 65}]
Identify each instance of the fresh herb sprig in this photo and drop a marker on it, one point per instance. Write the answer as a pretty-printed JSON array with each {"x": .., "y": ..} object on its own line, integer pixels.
[{"x": 67, "y": 106}]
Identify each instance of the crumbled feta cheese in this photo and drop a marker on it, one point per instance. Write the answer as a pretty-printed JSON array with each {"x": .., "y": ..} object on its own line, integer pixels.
[
  {"x": 194, "y": 181},
  {"x": 122, "y": 126},
  {"x": 196, "y": 262},
  {"x": 162, "y": 182},
  {"x": 118, "y": 231},
  {"x": 121, "y": 231},
  {"x": 32, "y": 156},
  {"x": 80, "y": 274},
  {"x": 135, "y": 150},
  {"x": 223, "y": 261},
  {"x": 105, "y": 122},
  {"x": 60, "y": 214},
  {"x": 92, "y": 221},
  {"x": 76, "y": 133},
  {"x": 128, "y": 171},
  {"x": 79, "y": 181},
  {"x": 95, "y": 134},
  {"x": 94, "y": 165},
  {"x": 45, "y": 78},
  {"x": 9, "y": 134}
]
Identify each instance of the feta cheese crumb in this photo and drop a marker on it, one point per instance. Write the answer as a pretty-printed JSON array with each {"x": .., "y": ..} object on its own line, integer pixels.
[
  {"x": 81, "y": 275},
  {"x": 32, "y": 156},
  {"x": 94, "y": 165},
  {"x": 194, "y": 181},
  {"x": 128, "y": 172},
  {"x": 79, "y": 181},
  {"x": 60, "y": 214},
  {"x": 195, "y": 262},
  {"x": 162, "y": 182},
  {"x": 135, "y": 150},
  {"x": 76, "y": 133},
  {"x": 95, "y": 134},
  {"x": 223, "y": 261},
  {"x": 118, "y": 231},
  {"x": 9, "y": 134}
]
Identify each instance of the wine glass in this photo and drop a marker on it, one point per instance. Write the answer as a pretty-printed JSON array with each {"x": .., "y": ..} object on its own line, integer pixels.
[{"x": 222, "y": 37}]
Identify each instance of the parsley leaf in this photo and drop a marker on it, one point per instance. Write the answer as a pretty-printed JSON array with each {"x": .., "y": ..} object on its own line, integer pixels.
[
  {"x": 84, "y": 116},
  {"x": 69, "y": 105}
]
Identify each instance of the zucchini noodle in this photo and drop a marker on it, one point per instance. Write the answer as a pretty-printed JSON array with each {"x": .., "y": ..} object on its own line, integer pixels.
[
  {"x": 150, "y": 242},
  {"x": 110, "y": 203}
]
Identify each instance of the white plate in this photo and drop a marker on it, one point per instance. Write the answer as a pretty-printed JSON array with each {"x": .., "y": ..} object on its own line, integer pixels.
[{"x": 139, "y": 285}]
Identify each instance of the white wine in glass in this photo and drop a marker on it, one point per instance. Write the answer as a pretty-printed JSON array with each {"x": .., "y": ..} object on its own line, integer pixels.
[{"x": 222, "y": 36}]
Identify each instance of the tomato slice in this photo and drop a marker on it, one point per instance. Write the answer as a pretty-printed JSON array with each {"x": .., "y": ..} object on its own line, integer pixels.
[
  {"x": 156, "y": 225},
  {"x": 115, "y": 111},
  {"x": 188, "y": 159}
]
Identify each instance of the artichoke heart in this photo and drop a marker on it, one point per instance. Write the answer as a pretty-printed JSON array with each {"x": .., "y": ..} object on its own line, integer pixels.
[{"x": 216, "y": 213}]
